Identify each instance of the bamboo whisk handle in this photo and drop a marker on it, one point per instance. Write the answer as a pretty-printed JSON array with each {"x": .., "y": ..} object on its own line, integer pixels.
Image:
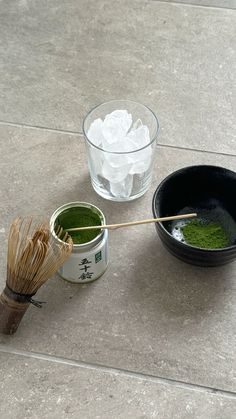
[{"x": 11, "y": 312}]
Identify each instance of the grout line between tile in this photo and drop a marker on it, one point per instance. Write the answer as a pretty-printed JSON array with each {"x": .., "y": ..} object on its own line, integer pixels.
[
  {"x": 198, "y": 150},
  {"x": 119, "y": 371},
  {"x": 79, "y": 133},
  {"x": 60, "y": 131},
  {"x": 201, "y": 6}
]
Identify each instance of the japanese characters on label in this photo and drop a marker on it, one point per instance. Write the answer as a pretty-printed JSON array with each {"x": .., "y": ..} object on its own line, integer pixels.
[{"x": 86, "y": 268}]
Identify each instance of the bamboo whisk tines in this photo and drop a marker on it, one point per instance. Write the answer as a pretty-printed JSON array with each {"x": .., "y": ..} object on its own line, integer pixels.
[{"x": 32, "y": 259}]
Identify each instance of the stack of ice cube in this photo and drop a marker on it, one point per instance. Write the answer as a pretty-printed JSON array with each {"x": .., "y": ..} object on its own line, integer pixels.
[{"x": 125, "y": 152}]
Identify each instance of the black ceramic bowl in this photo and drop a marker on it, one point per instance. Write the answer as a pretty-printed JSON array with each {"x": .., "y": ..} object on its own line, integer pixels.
[{"x": 211, "y": 192}]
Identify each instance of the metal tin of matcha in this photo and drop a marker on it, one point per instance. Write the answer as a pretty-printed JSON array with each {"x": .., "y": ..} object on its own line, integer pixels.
[{"x": 89, "y": 257}]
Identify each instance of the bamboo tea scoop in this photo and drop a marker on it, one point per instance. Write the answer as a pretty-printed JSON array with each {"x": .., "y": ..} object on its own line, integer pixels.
[{"x": 133, "y": 223}]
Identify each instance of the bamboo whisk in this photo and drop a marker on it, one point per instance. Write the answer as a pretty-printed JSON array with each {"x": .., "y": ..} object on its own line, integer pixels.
[{"x": 31, "y": 260}]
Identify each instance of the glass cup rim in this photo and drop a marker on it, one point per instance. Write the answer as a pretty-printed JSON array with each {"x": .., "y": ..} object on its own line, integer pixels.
[{"x": 121, "y": 152}]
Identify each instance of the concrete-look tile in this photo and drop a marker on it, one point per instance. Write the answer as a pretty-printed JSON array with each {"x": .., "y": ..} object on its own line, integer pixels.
[
  {"x": 150, "y": 312},
  {"x": 33, "y": 389},
  {"x": 60, "y": 59},
  {"x": 231, "y": 4}
]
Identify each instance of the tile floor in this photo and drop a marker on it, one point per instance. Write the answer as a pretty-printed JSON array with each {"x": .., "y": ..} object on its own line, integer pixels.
[
  {"x": 153, "y": 338},
  {"x": 228, "y": 4}
]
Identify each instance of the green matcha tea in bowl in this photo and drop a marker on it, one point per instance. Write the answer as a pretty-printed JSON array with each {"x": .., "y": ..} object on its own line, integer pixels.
[
  {"x": 89, "y": 257},
  {"x": 202, "y": 233},
  {"x": 209, "y": 239}
]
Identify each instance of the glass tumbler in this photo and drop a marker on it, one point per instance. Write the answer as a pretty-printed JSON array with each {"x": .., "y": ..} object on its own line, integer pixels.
[{"x": 120, "y": 148}]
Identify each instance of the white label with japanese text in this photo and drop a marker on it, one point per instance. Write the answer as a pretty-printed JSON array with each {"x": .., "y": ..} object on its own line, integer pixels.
[{"x": 87, "y": 266}]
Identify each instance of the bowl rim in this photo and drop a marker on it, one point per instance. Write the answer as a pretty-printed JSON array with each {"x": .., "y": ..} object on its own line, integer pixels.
[{"x": 160, "y": 224}]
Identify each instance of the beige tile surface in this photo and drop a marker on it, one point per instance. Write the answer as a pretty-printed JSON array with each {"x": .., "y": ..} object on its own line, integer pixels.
[
  {"x": 33, "y": 389},
  {"x": 61, "y": 58},
  {"x": 149, "y": 313}
]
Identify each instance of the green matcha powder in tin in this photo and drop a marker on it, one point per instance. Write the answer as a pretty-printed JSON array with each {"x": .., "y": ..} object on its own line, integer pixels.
[{"x": 79, "y": 217}]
